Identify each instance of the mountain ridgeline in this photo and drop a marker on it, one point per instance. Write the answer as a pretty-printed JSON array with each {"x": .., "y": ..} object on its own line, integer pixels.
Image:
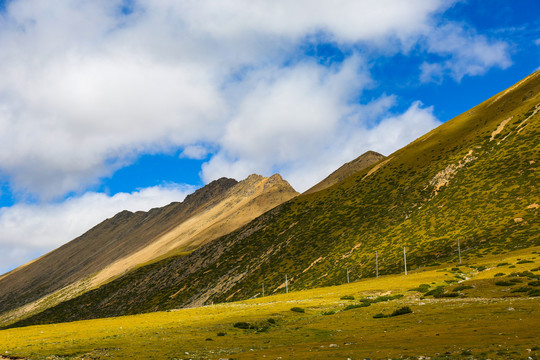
[
  {"x": 129, "y": 240},
  {"x": 474, "y": 178}
]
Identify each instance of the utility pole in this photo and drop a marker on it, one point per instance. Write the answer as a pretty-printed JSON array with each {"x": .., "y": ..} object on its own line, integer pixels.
[
  {"x": 405, "y": 260},
  {"x": 459, "y": 251},
  {"x": 286, "y": 284},
  {"x": 376, "y": 264},
  {"x": 347, "y": 275},
  {"x": 263, "y": 289}
]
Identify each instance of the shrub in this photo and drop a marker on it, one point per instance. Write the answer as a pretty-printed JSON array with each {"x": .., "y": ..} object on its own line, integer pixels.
[
  {"x": 402, "y": 311},
  {"x": 271, "y": 321},
  {"x": 356, "y": 306},
  {"x": 481, "y": 268},
  {"x": 209, "y": 339},
  {"x": 534, "y": 283},
  {"x": 263, "y": 329},
  {"x": 330, "y": 312},
  {"x": 347, "y": 297},
  {"x": 242, "y": 325},
  {"x": 384, "y": 298},
  {"x": 450, "y": 281},
  {"x": 435, "y": 292},
  {"x": 446, "y": 295},
  {"x": 462, "y": 287},
  {"x": 498, "y": 274},
  {"x": 379, "y": 316},
  {"x": 423, "y": 288},
  {"x": 521, "y": 289},
  {"x": 298, "y": 309},
  {"x": 221, "y": 334},
  {"x": 504, "y": 283},
  {"x": 534, "y": 292},
  {"x": 455, "y": 269},
  {"x": 503, "y": 264},
  {"x": 466, "y": 352},
  {"x": 516, "y": 280},
  {"x": 536, "y": 269},
  {"x": 524, "y": 261}
]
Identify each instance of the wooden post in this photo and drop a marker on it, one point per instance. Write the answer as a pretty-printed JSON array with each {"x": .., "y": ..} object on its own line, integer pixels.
[
  {"x": 347, "y": 275},
  {"x": 405, "y": 260},
  {"x": 459, "y": 251},
  {"x": 376, "y": 264},
  {"x": 263, "y": 289},
  {"x": 286, "y": 284}
]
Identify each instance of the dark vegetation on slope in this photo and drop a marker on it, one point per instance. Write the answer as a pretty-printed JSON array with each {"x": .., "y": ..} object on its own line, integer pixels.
[{"x": 488, "y": 202}]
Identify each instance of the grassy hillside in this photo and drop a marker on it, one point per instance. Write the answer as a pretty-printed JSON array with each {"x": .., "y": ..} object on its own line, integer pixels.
[
  {"x": 473, "y": 319},
  {"x": 473, "y": 178}
]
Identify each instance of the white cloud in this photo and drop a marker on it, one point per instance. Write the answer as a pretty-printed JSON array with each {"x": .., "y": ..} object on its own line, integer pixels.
[
  {"x": 302, "y": 121},
  {"x": 27, "y": 231},
  {"x": 464, "y": 52},
  {"x": 85, "y": 88}
]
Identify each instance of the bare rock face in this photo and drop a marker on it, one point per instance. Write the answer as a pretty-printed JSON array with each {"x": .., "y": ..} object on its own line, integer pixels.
[{"x": 363, "y": 161}]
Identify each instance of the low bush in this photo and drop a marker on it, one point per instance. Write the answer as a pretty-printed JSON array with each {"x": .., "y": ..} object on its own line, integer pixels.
[
  {"x": 271, "y": 321},
  {"x": 524, "y": 261},
  {"x": 330, "y": 312},
  {"x": 504, "y": 283},
  {"x": 503, "y": 264},
  {"x": 356, "y": 306},
  {"x": 423, "y": 288},
  {"x": 534, "y": 292},
  {"x": 481, "y": 268},
  {"x": 534, "y": 283},
  {"x": 446, "y": 295},
  {"x": 298, "y": 309},
  {"x": 516, "y": 281},
  {"x": 243, "y": 325},
  {"x": 221, "y": 334},
  {"x": 435, "y": 292},
  {"x": 521, "y": 289},
  {"x": 347, "y": 297},
  {"x": 402, "y": 311},
  {"x": 462, "y": 287},
  {"x": 384, "y": 298},
  {"x": 498, "y": 274}
]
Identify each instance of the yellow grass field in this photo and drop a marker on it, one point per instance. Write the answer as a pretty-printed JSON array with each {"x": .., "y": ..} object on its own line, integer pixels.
[{"x": 487, "y": 321}]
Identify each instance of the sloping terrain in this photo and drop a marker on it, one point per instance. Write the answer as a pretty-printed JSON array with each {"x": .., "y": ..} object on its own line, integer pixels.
[
  {"x": 363, "y": 161},
  {"x": 472, "y": 179},
  {"x": 475, "y": 318},
  {"x": 130, "y": 239}
]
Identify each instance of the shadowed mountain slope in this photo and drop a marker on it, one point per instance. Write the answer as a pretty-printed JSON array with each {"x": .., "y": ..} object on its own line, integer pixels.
[
  {"x": 130, "y": 239},
  {"x": 473, "y": 178},
  {"x": 363, "y": 161}
]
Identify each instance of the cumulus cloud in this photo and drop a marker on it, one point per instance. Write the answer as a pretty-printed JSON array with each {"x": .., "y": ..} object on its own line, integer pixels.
[
  {"x": 303, "y": 122},
  {"x": 85, "y": 87},
  {"x": 31, "y": 230},
  {"x": 463, "y": 52}
]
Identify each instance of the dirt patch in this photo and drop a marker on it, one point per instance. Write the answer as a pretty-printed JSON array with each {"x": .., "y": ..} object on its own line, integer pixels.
[{"x": 500, "y": 128}]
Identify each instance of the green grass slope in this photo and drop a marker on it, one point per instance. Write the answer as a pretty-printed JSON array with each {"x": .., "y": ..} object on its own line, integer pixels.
[{"x": 473, "y": 178}]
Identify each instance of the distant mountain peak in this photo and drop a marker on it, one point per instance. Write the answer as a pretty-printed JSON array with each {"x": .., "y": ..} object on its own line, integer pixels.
[{"x": 363, "y": 161}]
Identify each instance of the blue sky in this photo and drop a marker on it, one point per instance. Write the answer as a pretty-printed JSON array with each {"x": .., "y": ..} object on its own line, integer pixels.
[{"x": 111, "y": 105}]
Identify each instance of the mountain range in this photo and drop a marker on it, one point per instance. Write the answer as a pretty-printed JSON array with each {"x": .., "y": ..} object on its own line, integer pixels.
[{"x": 473, "y": 180}]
